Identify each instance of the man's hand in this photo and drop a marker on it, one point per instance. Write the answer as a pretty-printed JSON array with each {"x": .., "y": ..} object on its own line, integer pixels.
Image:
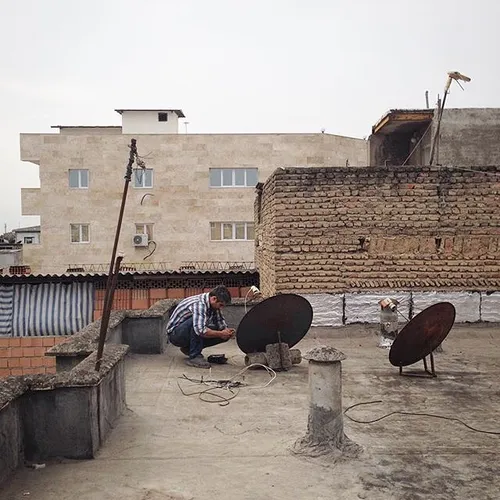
[{"x": 227, "y": 333}]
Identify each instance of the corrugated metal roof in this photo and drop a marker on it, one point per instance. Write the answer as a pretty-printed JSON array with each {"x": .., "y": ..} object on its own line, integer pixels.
[{"x": 128, "y": 274}]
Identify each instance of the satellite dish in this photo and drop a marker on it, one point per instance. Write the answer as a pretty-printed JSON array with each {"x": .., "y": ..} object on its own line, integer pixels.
[
  {"x": 421, "y": 336},
  {"x": 283, "y": 318}
]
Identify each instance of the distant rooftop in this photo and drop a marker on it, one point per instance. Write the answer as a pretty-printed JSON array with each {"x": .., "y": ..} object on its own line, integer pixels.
[
  {"x": 178, "y": 112},
  {"x": 85, "y": 126},
  {"x": 394, "y": 118},
  {"x": 29, "y": 229}
]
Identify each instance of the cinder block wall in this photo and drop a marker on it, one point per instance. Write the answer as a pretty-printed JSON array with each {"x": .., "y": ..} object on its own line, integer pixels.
[
  {"x": 336, "y": 229},
  {"x": 26, "y": 355}
]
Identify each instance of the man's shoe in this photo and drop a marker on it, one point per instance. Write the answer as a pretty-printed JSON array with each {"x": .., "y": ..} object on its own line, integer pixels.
[
  {"x": 198, "y": 362},
  {"x": 185, "y": 351}
]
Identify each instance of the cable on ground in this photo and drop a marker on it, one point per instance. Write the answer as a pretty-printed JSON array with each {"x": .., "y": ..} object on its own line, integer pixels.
[
  {"x": 232, "y": 386},
  {"x": 414, "y": 414}
]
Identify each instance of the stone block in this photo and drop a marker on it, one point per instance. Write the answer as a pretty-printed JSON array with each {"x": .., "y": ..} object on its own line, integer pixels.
[{"x": 278, "y": 356}]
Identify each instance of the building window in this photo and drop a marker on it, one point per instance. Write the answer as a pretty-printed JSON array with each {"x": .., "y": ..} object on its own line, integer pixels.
[
  {"x": 232, "y": 231},
  {"x": 145, "y": 229},
  {"x": 162, "y": 117},
  {"x": 78, "y": 178},
  {"x": 28, "y": 240},
  {"x": 143, "y": 177},
  {"x": 80, "y": 233},
  {"x": 233, "y": 177}
]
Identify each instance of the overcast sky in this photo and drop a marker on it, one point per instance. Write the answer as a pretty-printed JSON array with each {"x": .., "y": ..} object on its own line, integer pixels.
[{"x": 259, "y": 66}]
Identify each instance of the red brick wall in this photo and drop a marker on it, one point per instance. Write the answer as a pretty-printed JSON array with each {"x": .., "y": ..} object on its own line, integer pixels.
[
  {"x": 145, "y": 298},
  {"x": 26, "y": 355}
]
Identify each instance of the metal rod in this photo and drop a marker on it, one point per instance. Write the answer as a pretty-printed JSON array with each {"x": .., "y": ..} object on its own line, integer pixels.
[
  {"x": 433, "y": 371},
  {"x": 438, "y": 126},
  {"x": 107, "y": 312},
  {"x": 425, "y": 365},
  {"x": 108, "y": 299},
  {"x": 279, "y": 350}
]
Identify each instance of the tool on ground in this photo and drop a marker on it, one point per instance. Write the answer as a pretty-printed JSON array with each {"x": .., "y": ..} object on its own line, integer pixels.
[{"x": 218, "y": 359}]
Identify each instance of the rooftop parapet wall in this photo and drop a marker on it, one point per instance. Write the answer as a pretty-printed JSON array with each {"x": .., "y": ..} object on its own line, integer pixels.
[{"x": 336, "y": 229}]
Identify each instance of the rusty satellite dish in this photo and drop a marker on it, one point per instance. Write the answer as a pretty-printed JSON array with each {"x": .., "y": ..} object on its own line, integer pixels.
[
  {"x": 421, "y": 336},
  {"x": 282, "y": 318}
]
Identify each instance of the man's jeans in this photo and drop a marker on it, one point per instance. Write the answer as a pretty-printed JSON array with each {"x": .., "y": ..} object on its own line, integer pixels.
[{"x": 184, "y": 335}]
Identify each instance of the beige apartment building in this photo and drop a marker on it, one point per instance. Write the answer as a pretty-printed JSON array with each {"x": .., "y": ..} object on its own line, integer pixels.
[{"x": 193, "y": 203}]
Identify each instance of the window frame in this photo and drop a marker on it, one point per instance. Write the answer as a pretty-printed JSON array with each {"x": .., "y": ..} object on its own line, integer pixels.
[
  {"x": 79, "y": 170},
  {"x": 143, "y": 178},
  {"x": 220, "y": 226},
  {"x": 80, "y": 232},
  {"x": 233, "y": 178}
]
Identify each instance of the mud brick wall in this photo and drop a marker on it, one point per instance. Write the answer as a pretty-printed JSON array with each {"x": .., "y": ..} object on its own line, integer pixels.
[
  {"x": 26, "y": 355},
  {"x": 337, "y": 229}
]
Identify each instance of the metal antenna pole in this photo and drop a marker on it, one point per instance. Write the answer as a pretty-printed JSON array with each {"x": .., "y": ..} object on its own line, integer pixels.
[
  {"x": 108, "y": 298},
  {"x": 452, "y": 75}
]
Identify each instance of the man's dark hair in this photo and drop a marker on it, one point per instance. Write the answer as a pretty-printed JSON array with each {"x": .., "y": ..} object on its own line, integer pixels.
[{"x": 221, "y": 293}]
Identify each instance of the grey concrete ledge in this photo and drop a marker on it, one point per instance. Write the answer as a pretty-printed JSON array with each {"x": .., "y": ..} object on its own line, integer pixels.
[
  {"x": 84, "y": 342},
  {"x": 11, "y": 388},
  {"x": 83, "y": 374}
]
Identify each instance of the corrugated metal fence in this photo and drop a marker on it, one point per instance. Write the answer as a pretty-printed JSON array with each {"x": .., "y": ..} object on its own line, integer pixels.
[{"x": 45, "y": 309}]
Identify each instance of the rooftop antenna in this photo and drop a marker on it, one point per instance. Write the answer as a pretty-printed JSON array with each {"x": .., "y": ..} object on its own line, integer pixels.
[{"x": 452, "y": 75}]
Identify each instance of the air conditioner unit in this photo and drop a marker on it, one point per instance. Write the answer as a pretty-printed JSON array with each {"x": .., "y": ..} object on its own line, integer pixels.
[{"x": 141, "y": 240}]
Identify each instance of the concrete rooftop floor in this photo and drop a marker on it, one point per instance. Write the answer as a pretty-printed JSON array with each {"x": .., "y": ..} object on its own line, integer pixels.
[{"x": 169, "y": 446}]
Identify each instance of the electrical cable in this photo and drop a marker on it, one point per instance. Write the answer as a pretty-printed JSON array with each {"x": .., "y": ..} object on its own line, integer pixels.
[
  {"x": 414, "y": 414},
  {"x": 152, "y": 251},
  {"x": 231, "y": 385}
]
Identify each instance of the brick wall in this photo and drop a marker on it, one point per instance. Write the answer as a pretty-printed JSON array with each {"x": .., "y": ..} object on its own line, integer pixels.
[
  {"x": 26, "y": 355},
  {"x": 126, "y": 299},
  {"x": 336, "y": 229}
]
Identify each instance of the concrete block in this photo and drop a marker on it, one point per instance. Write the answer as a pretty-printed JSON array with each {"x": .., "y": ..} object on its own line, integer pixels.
[
  {"x": 60, "y": 423},
  {"x": 73, "y": 421},
  {"x": 144, "y": 335},
  {"x": 278, "y": 356},
  {"x": 467, "y": 304}
]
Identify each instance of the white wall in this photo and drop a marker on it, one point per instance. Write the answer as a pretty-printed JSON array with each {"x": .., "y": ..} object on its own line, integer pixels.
[
  {"x": 362, "y": 307},
  {"x": 35, "y": 235},
  {"x": 146, "y": 122}
]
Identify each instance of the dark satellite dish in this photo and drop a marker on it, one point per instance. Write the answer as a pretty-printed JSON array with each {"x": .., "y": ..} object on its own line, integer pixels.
[
  {"x": 422, "y": 335},
  {"x": 282, "y": 318}
]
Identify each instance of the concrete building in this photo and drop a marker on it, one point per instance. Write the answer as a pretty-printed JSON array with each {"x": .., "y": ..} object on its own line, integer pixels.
[
  {"x": 11, "y": 255},
  {"x": 194, "y": 201},
  {"x": 466, "y": 137},
  {"x": 27, "y": 235}
]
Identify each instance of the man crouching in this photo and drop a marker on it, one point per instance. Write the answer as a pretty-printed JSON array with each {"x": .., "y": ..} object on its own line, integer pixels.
[{"x": 197, "y": 322}]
